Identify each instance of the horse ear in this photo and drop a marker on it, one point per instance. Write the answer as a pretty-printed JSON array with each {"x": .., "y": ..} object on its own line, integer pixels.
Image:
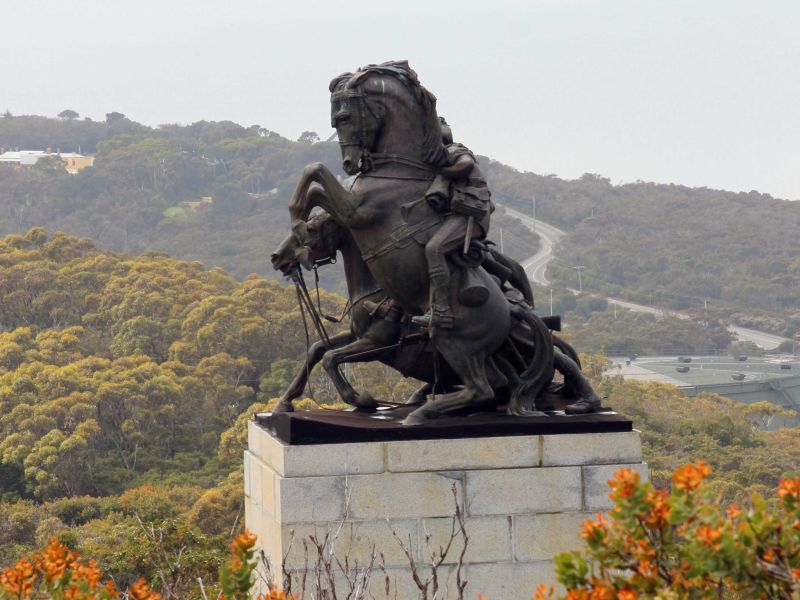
[{"x": 337, "y": 80}]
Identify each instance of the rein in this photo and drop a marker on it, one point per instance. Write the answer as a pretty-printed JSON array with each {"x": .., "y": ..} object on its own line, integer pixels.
[{"x": 304, "y": 300}]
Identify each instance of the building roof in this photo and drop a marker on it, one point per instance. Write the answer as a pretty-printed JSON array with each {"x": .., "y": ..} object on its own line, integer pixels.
[
  {"x": 707, "y": 370},
  {"x": 30, "y": 157}
]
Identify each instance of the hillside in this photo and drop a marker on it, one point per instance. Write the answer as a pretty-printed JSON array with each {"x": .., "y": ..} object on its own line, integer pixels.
[
  {"x": 217, "y": 192},
  {"x": 125, "y": 384},
  {"x": 670, "y": 245},
  {"x": 211, "y": 191}
]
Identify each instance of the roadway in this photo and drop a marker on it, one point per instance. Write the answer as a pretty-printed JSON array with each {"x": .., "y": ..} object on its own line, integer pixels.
[
  {"x": 549, "y": 236},
  {"x": 536, "y": 266}
]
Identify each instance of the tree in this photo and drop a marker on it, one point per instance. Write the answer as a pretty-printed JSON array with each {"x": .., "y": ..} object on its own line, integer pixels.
[
  {"x": 68, "y": 115},
  {"x": 308, "y": 137},
  {"x": 111, "y": 117}
]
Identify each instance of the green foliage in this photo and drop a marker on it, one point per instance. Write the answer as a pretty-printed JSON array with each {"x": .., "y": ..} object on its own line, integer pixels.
[
  {"x": 113, "y": 366},
  {"x": 126, "y": 384},
  {"x": 641, "y": 333},
  {"x": 659, "y": 244},
  {"x": 210, "y": 191},
  {"x": 677, "y": 430}
]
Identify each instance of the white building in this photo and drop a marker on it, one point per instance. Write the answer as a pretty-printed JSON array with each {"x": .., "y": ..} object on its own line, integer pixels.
[{"x": 73, "y": 162}]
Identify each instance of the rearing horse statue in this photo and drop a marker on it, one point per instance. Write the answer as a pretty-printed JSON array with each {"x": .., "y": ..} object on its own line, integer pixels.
[{"x": 391, "y": 140}]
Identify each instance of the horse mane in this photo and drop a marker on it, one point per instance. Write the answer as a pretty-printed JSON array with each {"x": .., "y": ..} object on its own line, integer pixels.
[{"x": 433, "y": 151}]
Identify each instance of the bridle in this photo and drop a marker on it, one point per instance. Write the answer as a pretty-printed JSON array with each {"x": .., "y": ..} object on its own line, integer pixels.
[
  {"x": 361, "y": 141},
  {"x": 368, "y": 160}
]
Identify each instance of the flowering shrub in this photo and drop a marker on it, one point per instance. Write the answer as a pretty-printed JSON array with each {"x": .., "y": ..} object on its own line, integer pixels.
[
  {"x": 237, "y": 578},
  {"x": 683, "y": 544},
  {"x": 672, "y": 545},
  {"x": 58, "y": 573}
]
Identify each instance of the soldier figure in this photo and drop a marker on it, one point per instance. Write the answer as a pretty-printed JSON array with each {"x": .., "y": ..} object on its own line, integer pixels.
[{"x": 461, "y": 194}]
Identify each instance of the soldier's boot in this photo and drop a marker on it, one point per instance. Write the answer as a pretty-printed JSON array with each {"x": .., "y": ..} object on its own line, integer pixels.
[{"x": 440, "y": 314}]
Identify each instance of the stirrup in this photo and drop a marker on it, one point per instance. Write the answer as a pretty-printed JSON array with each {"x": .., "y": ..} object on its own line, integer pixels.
[{"x": 441, "y": 317}]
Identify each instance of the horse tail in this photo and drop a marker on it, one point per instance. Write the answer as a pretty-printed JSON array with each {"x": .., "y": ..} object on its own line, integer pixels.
[{"x": 539, "y": 373}]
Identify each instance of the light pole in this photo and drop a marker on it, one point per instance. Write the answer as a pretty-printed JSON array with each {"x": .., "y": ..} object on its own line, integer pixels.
[
  {"x": 551, "y": 302},
  {"x": 501, "y": 241},
  {"x": 533, "y": 205},
  {"x": 579, "y": 269}
]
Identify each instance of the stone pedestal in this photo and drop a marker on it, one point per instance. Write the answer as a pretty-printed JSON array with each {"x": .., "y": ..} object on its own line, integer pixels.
[{"x": 524, "y": 498}]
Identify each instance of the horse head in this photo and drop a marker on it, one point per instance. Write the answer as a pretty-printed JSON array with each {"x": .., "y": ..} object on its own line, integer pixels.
[
  {"x": 307, "y": 243},
  {"x": 383, "y": 109}
]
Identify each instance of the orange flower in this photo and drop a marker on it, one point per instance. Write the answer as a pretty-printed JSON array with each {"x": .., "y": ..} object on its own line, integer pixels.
[
  {"x": 627, "y": 595},
  {"x": 709, "y": 536},
  {"x": 243, "y": 542},
  {"x": 276, "y": 594},
  {"x": 656, "y": 517},
  {"x": 733, "y": 511},
  {"x": 54, "y": 560},
  {"x": 19, "y": 579},
  {"x": 623, "y": 483},
  {"x": 542, "y": 592},
  {"x": 141, "y": 591},
  {"x": 601, "y": 591},
  {"x": 796, "y": 573},
  {"x": 770, "y": 556},
  {"x": 646, "y": 568},
  {"x": 689, "y": 477},
  {"x": 789, "y": 487},
  {"x": 590, "y": 528}
]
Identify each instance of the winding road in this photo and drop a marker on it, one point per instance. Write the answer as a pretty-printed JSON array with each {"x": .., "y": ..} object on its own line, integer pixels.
[{"x": 536, "y": 266}]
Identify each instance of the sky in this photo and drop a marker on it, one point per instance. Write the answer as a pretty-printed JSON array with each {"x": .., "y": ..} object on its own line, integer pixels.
[{"x": 702, "y": 93}]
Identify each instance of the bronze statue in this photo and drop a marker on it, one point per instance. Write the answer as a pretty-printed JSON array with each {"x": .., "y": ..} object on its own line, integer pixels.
[{"x": 411, "y": 187}]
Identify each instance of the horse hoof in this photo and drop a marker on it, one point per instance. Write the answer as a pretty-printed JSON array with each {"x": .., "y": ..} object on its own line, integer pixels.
[
  {"x": 414, "y": 420},
  {"x": 284, "y": 406},
  {"x": 416, "y": 400},
  {"x": 365, "y": 401},
  {"x": 584, "y": 406}
]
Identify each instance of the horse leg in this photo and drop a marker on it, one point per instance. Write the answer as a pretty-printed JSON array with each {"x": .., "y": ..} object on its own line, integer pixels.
[
  {"x": 315, "y": 353},
  {"x": 331, "y": 196},
  {"x": 420, "y": 394},
  {"x": 475, "y": 393},
  {"x": 361, "y": 350},
  {"x": 588, "y": 400}
]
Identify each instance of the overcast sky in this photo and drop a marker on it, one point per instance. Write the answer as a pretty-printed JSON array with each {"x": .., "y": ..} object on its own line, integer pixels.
[{"x": 704, "y": 93}]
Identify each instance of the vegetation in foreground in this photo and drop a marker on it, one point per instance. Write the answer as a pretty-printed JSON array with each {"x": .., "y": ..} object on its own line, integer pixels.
[
  {"x": 685, "y": 543},
  {"x": 679, "y": 543}
]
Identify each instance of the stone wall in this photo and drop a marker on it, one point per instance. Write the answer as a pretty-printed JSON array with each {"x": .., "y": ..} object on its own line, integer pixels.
[{"x": 524, "y": 499}]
